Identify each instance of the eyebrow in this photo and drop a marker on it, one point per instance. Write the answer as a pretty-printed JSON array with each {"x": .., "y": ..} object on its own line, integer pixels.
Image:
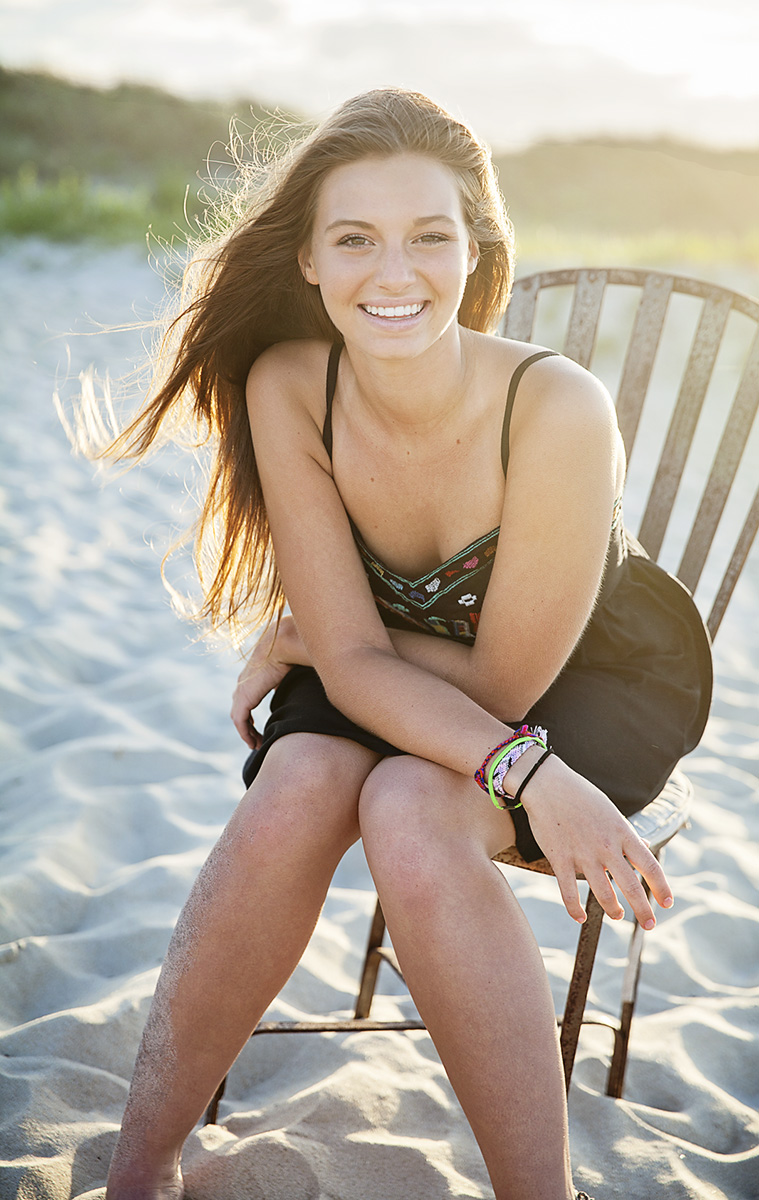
[{"x": 436, "y": 219}]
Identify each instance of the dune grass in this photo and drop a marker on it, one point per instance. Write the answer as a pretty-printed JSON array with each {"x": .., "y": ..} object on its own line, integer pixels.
[{"x": 73, "y": 208}]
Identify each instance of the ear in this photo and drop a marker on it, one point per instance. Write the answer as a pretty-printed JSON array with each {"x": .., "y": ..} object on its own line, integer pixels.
[
  {"x": 474, "y": 257},
  {"x": 307, "y": 267}
]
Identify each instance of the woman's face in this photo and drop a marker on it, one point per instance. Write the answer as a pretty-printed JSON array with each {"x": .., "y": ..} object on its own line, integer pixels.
[{"x": 390, "y": 252}]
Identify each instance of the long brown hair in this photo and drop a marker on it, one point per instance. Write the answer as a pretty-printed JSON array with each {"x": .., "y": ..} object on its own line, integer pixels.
[{"x": 243, "y": 291}]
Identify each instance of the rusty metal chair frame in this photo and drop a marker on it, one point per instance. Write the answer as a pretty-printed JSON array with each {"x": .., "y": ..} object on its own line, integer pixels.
[{"x": 668, "y": 813}]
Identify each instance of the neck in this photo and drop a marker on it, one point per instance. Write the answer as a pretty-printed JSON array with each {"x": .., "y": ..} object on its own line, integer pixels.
[{"x": 411, "y": 395}]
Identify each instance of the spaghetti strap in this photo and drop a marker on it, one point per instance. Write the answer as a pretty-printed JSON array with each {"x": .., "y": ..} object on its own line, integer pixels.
[
  {"x": 513, "y": 385},
  {"x": 332, "y": 365}
]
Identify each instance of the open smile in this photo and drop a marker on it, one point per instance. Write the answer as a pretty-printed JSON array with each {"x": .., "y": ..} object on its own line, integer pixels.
[{"x": 394, "y": 312}]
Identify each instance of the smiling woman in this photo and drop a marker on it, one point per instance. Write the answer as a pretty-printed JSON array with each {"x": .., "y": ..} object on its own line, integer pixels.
[
  {"x": 403, "y": 270},
  {"x": 441, "y": 508}
]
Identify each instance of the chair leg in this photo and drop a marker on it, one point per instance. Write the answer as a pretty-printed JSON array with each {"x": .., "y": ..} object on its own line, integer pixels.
[
  {"x": 212, "y": 1111},
  {"x": 372, "y": 962},
  {"x": 579, "y": 984},
  {"x": 616, "y": 1077}
]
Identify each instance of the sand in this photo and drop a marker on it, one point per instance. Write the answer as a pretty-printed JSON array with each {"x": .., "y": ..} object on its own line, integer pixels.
[{"x": 120, "y": 768}]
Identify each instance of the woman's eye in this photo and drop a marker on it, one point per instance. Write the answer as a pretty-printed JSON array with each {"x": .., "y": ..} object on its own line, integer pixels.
[
  {"x": 354, "y": 239},
  {"x": 432, "y": 239}
]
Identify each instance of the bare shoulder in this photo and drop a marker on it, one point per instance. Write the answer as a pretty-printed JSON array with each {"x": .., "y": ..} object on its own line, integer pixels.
[
  {"x": 554, "y": 387},
  {"x": 285, "y": 399},
  {"x": 290, "y": 374},
  {"x": 556, "y": 399}
]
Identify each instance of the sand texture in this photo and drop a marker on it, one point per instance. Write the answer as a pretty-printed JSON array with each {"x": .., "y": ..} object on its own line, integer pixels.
[{"x": 120, "y": 768}]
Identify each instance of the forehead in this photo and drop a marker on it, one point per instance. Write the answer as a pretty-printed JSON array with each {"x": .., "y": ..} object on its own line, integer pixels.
[{"x": 404, "y": 184}]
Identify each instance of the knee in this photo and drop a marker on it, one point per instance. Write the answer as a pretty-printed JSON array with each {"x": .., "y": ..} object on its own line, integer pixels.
[
  {"x": 406, "y": 837},
  {"x": 306, "y": 795}
]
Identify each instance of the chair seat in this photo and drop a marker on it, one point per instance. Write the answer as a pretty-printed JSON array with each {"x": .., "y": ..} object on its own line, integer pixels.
[
  {"x": 657, "y": 823},
  {"x": 660, "y": 820}
]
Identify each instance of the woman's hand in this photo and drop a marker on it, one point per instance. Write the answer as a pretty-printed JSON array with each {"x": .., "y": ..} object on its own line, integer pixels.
[
  {"x": 278, "y": 648},
  {"x": 581, "y": 832}
]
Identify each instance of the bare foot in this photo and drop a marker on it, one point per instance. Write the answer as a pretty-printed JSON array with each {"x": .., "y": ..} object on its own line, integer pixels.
[{"x": 126, "y": 1185}]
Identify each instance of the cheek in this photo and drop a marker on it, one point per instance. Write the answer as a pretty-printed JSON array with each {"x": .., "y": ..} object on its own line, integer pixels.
[
  {"x": 337, "y": 294},
  {"x": 338, "y": 281}
]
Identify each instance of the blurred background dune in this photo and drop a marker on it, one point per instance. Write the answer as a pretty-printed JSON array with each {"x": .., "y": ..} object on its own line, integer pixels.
[{"x": 622, "y": 133}]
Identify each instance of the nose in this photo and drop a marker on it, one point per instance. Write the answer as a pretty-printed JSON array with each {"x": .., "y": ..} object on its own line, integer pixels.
[{"x": 395, "y": 270}]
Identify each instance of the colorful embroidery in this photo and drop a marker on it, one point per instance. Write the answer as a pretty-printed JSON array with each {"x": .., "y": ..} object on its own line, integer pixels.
[
  {"x": 434, "y": 602},
  {"x": 452, "y": 578},
  {"x": 438, "y": 624}
]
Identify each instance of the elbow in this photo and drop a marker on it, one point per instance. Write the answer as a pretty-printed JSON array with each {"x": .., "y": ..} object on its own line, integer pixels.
[
  {"x": 509, "y": 707},
  {"x": 348, "y": 679},
  {"x": 509, "y": 700}
]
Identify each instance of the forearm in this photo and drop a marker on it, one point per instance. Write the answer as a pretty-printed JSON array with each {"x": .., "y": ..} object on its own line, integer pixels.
[
  {"x": 461, "y": 666},
  {"x": 412, "y": 707},
  {"x": 443, "y": 677}
]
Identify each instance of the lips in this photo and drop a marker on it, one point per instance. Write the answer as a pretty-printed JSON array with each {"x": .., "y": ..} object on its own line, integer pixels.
[{"x": 394, "y": 311}]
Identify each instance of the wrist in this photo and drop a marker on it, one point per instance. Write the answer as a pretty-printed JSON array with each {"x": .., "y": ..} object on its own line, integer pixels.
[
  {"x": 535, "y": 789},
  {"x": 501, "y": 760}
]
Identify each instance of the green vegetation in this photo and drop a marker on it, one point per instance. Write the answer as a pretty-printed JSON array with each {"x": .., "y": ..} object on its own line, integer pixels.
[
  {"x": 78, "y": 162},
  {"x": 71, "y": 207}
]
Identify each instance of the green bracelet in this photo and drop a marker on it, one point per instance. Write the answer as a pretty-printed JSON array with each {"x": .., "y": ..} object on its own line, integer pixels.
[{"x": 501, "y": 755}]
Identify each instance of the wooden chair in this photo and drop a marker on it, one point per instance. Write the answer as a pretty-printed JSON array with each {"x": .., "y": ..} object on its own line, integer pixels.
[{"x": 714, "y": 329}]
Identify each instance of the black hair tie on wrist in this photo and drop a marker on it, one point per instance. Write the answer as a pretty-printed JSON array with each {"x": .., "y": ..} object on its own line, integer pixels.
[{"x": 516, "y": 800}]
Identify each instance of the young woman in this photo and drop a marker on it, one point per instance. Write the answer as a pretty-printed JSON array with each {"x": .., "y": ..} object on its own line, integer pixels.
[{"x": 441, "y": 509}]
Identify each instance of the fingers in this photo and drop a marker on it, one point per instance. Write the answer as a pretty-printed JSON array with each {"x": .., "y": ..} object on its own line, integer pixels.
[
  {"x": 602, "y": 888},
  {"x": 622, "y": 873},
  {"x": 652, "y": 871},
  {"x": 566, "y": 877},
  {"x": 631, "y": 885},
  {"x": 242, "y": 719}
]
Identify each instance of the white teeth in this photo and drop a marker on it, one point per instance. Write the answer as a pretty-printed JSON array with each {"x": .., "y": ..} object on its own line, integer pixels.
[{"x": 399, "y": 310}]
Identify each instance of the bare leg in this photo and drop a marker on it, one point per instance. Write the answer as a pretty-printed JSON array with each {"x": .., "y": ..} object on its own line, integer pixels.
[
  {"x": 473, "y": 967},
  {"x": 237, "y": 941}
]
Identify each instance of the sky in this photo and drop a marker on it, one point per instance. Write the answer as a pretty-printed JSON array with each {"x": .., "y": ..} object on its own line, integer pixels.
[{"x": 518, "y": 70}]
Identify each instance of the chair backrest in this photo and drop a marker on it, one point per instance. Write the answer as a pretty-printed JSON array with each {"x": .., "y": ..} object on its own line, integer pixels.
[{"x": 698, "y": 364}]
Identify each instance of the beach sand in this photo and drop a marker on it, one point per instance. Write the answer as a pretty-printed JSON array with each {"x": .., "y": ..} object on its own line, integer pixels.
[{"x": 120, "y": 768}]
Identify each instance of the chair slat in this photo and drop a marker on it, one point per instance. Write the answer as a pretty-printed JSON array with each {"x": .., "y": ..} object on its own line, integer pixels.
[
  {"x": 725, "y": 465},
  {"x": 735, "y": 566},
  {"x": 520, "y": 314},
  {"x": 583, "y": 319},
  {"x": 690, "y": 400},
  {"x": 641, "y": 352}
]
